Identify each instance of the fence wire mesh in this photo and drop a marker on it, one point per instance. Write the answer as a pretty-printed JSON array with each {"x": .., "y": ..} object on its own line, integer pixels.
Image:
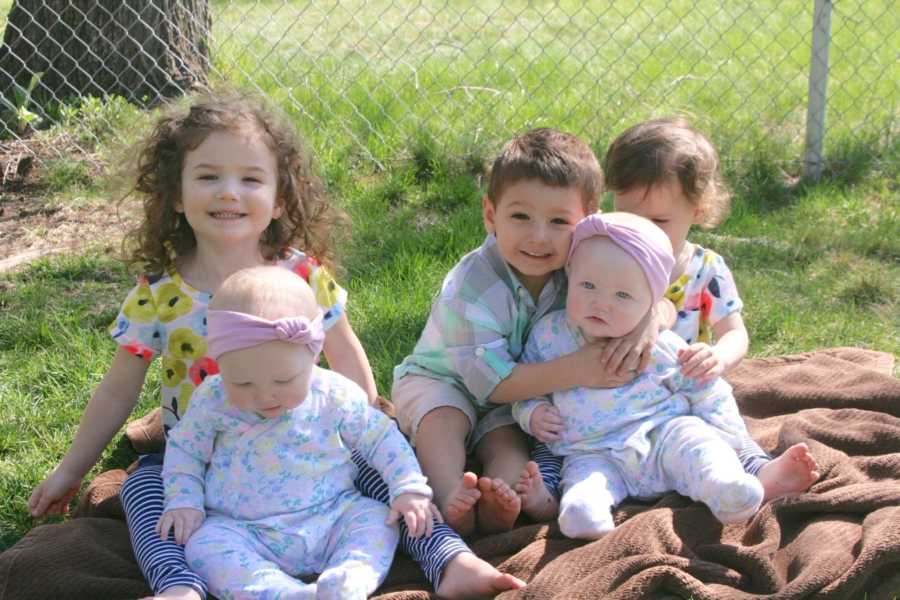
[{"x": 372, "y": 81}]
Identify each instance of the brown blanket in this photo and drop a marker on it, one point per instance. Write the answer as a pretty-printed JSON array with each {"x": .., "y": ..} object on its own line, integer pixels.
[{"x": 839, "y": 540}]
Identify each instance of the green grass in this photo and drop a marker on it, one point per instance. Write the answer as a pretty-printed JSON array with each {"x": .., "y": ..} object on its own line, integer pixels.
[
  {"x": 817, "y": 265},
  {"x": 476, "y": 75}
]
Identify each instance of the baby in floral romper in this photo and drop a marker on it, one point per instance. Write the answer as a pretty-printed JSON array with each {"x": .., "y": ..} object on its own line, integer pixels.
[
  {"x": 660, "y": 432},
  {"x": 258, "y": 474}
]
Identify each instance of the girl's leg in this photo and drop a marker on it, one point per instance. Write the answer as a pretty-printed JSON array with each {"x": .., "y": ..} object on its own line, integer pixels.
[
  {"x": 549, "y": 465},
  {"x": 791, "y": 472},
  {"x": 448, "y": 563},
  {"x": 434, "y": 553},
  {"x": 752, "y": 456},
  {"x": 161, "y": 561},
  {"x": 538, "y": 484}
]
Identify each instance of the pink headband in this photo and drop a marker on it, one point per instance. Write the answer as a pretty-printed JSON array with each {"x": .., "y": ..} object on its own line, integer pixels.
[
  {"x": 643, "y": 241},
  {"x": 228, "y": 330}
]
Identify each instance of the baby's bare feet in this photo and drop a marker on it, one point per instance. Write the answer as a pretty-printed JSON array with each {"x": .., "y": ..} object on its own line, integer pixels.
[
  {"x": 459, "y": 507},
  {"x": 791, "y": 473},
  {"x": 498, "y": 507},
  {"x": 537, "y": 502},
  {"x": 178, "y": 592},
  {"x": 467, "y": 576}
]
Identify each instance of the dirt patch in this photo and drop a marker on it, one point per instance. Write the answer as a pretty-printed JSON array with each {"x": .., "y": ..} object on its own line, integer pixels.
[{"x": 35, "y": 223}]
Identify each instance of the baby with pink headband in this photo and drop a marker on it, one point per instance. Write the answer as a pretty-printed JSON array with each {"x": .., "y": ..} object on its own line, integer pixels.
[
  {"x": 258, "y": 472},
  {"x": 661, "y": 432}
]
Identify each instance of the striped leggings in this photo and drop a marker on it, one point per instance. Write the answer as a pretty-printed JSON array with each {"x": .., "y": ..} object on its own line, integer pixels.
[{"x": 162, "y": 561}]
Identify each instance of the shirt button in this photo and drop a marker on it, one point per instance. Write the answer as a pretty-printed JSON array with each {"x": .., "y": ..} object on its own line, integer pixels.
[{"x": 479, "y": 351}]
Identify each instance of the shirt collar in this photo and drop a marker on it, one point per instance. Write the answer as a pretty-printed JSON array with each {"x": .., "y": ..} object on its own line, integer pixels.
[{"x": 491, "y": 253}]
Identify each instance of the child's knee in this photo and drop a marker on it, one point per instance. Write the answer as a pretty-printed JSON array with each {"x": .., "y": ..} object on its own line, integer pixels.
[
  {"x": 585, "y": 520},
  {"x": 736, "y": 500}
]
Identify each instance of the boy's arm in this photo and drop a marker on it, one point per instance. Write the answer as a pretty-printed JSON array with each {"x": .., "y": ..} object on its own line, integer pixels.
[
  {"x": 106, "y": 412},
  {"x": 346, "y": 355},
  {"x": 552, "y": 361},
  {"x": 580, "y": 368}
]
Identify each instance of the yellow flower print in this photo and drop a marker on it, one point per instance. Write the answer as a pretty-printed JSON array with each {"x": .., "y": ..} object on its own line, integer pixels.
[
  {"x": 675, "y": 293},
  {"x": 184, "y": 397},
  {"x": 705, "y": 332},
  {"x": 173, "y": 370},
  {"x": 140, "y": 308},
  {"x": 185, "y": 344},
  {"x": 172, "y": 302},
  {"x": 326, "y": 288}
]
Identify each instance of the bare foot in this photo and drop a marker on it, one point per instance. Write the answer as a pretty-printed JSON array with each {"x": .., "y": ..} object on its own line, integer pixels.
[
  {"x": 499, "y": 506},
  {"x": 537, "y": 502},
  {"x": 792, "y": 472},
  {"x": 178, "y": 592},
  {"x": 459, "y": 507},
  {"x": 467, "y": 576}
]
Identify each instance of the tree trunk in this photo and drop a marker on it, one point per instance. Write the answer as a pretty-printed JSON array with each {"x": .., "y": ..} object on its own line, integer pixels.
[{"x": 142, "y": 50}]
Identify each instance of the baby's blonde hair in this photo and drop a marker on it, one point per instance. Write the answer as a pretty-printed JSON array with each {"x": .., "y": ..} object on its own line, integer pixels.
[
  {"x": 266, "y": 292},
  {"x": 660, "y": 150}
]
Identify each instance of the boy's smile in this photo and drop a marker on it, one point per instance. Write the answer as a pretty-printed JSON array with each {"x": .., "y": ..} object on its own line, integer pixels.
[{"x": 533, "y": 223}]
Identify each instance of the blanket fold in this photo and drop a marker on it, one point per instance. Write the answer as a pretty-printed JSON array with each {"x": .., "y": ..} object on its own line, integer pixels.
[{"x": 841, "y": 539}]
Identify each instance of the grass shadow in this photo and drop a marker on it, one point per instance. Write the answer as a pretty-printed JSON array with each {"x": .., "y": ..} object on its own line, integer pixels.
[{"x": 120, "y": 456}]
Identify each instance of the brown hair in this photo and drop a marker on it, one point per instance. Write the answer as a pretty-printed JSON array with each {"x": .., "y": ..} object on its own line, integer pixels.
[
  {"x": 658, "y": 150},
  {"x": 551, "y": 157},
  {"x": 308, "y": 217}
]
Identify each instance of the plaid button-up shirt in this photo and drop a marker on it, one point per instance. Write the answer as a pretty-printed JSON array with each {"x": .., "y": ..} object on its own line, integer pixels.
[{"x": 478, "y": 325}]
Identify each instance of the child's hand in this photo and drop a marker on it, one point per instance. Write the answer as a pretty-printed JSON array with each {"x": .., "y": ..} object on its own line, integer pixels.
[
  {"x": 417, "y": 511},
  {"x": 184, "y": 521},
  {"x": 589, "y": 361},
  {"x": 629, "y": 355},
  {"x": 53, "y": 494},
  {"x": 546, "y": 423},
  {"x": 701, "y": 362}
]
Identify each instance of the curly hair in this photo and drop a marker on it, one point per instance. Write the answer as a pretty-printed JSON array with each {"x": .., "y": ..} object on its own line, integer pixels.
[
  {"x": 552, "y": 157},
  {"x": 154, "y": 174},
  {"x": 659, "y": 150}
]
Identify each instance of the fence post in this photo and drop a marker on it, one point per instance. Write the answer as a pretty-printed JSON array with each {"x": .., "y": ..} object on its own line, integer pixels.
[{"x": 818, "y": 87}]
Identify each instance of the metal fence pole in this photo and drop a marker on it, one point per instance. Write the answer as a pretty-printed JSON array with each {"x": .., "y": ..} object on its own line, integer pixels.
[{"x": 818, "y": 87}]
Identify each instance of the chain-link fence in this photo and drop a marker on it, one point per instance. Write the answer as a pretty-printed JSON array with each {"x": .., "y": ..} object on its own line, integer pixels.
[{"x": 373, "y": 81}]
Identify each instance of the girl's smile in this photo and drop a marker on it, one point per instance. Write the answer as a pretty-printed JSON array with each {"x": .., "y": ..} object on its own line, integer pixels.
[{"x": 229, "y": 188}]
